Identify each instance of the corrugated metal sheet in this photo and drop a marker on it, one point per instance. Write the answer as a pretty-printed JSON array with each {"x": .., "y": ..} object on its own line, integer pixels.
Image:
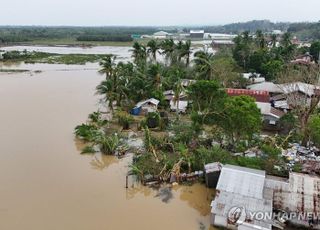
[
  {"x": 301, "y": 194},
  {"x": 243, "y": 181},
  {"x": 259, "y": 95},
  {"x": 225, "y": 201}
]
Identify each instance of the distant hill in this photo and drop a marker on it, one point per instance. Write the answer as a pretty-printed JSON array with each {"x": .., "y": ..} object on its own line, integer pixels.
[
  {"x": 252, "y": 26},
  {"x": 306, "y": 30}
]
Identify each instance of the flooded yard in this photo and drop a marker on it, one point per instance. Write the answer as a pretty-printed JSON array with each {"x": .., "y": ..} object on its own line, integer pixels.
[{"x": 46, "y": 184}]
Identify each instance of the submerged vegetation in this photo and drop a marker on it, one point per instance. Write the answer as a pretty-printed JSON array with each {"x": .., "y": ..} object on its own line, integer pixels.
[{"x": 50, "y": 58}]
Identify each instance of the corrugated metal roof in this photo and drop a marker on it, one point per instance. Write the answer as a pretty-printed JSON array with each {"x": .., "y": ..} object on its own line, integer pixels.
[
  {"x": 267, "y": 109},
  {"x": 151, "y": 100},
  {"x": 301, "y": 194},
  {"x": 258, "y": 95},
  {"x": 268, "y": 86},
  {"x": 243, "y": 181},
  {"x": 305, "y": 88},
  {"x": 225, "y": 201}
]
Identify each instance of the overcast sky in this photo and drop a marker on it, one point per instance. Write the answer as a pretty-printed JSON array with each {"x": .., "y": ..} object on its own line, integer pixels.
[{"x": 153, "y": 12}]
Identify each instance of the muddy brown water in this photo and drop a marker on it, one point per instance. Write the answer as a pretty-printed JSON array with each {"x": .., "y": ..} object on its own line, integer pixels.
[{"x": 45, "y": 184}]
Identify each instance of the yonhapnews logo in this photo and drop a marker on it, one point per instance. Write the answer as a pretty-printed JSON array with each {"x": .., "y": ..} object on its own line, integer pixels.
[{"x": 237, "y": 215}]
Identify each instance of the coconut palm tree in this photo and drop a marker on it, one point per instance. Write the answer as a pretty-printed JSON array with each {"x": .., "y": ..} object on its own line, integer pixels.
[
  {"x": 260, "y": 39},
  {"x": 139, "y": 53},
  {"x": 204, "y": 62},
  {"x": 274, "y": 40},
  {"x": 154, "y": 74},
  {"x": 185, "y": 51},
  {"x": 153, "y": 48},
  {"x": 106, "y": 88},
  {"x": 169, "y": 47},
  {"x": 107, "y": 65},
  {"x": 286, "y": 40},
  {"x": 178, "y": 89}
]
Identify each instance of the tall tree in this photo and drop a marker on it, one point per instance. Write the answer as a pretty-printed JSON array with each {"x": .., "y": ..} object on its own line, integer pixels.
[
  {"x": 139, "y": 53},
  {"x": 241, "y": 118},
  {"x": 185, "y": 51},
  {"x": 153, "y": 48},
  {"x": 107, "y": 65},
  {"x": 204, "y": 65},
  {"x": 302, "y": 94},
  {"x": 168, "y": 49},
  {"x": 208, "y": 100},
  {"x": 315, "y": 50}
]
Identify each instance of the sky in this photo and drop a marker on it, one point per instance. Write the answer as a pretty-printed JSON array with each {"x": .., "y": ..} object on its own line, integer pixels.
[{"x": 154, "y": 12}]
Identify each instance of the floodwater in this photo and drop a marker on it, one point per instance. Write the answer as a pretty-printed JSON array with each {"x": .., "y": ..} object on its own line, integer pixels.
[
  {"x": 123, "y": 53},
  {"x": 46, "y": 184}
]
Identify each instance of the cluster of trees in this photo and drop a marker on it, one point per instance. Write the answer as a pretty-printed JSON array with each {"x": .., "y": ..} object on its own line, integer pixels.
[
  {"x": 233, "y": 123},
  {"x": 161, "y": 66},
  {"x": 306, "y": 30},
  {"x": 100, "y": 38},
  {"x": 263, "y": 54},
  {"x": 268, "y": 55},
  {"x": 12, "y": 34}
]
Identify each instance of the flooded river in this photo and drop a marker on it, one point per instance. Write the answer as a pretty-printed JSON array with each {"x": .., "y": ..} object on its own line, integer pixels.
[{"x": 46, "y": 184}]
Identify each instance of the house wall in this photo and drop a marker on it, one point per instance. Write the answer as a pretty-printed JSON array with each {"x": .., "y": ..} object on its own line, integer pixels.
[{"x": 219, "y": 220}]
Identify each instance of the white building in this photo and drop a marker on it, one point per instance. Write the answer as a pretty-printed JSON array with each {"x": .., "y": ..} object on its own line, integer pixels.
[{"x": 161, "y": 35}]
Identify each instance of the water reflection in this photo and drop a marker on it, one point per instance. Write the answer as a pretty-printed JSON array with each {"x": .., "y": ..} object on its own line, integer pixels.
[
  {"x": 197, "y": 197},
  {"x": 101, "y": 162}
]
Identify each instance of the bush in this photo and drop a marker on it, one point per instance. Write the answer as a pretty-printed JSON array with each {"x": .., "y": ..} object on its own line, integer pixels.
[
  {"x": 87, "y": 132},
  {"x": 109, "y": 144},
  {"x": 88, "y": 149},
  {"x": 124, "y": 119},
  {"x": 153, "y": 120}
]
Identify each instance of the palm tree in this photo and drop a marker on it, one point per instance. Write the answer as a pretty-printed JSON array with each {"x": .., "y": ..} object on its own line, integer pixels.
[
  {"x": 106, "y": 88},
  {"x": 286, "y": 40},
  {"x": 153, "y": 48},
  {"x": 154, "y": 74},
  {"x": 139, "y": 53},
  {"x": 107, "y": 65},
  {"x": 274, "y": 40},
  {"x": 204, "y": 62},
  {"x": 178, "y": 88},
  {"x": 186, "y": 51},
  {"x": 169, "y": 47},
  {"x": 261, "y": 42}
]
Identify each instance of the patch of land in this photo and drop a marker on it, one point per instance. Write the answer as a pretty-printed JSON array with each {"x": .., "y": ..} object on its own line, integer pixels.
[{"x": 50, "y": 58}]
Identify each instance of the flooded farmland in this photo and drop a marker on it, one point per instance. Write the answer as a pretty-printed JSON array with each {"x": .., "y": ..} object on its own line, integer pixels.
[{"x": 46, "y": 184}]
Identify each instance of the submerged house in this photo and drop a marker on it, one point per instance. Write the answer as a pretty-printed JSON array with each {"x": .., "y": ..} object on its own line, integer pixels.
[
  {"x": 144, "y": 107},
  {"x": 240, "y": 191}
]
